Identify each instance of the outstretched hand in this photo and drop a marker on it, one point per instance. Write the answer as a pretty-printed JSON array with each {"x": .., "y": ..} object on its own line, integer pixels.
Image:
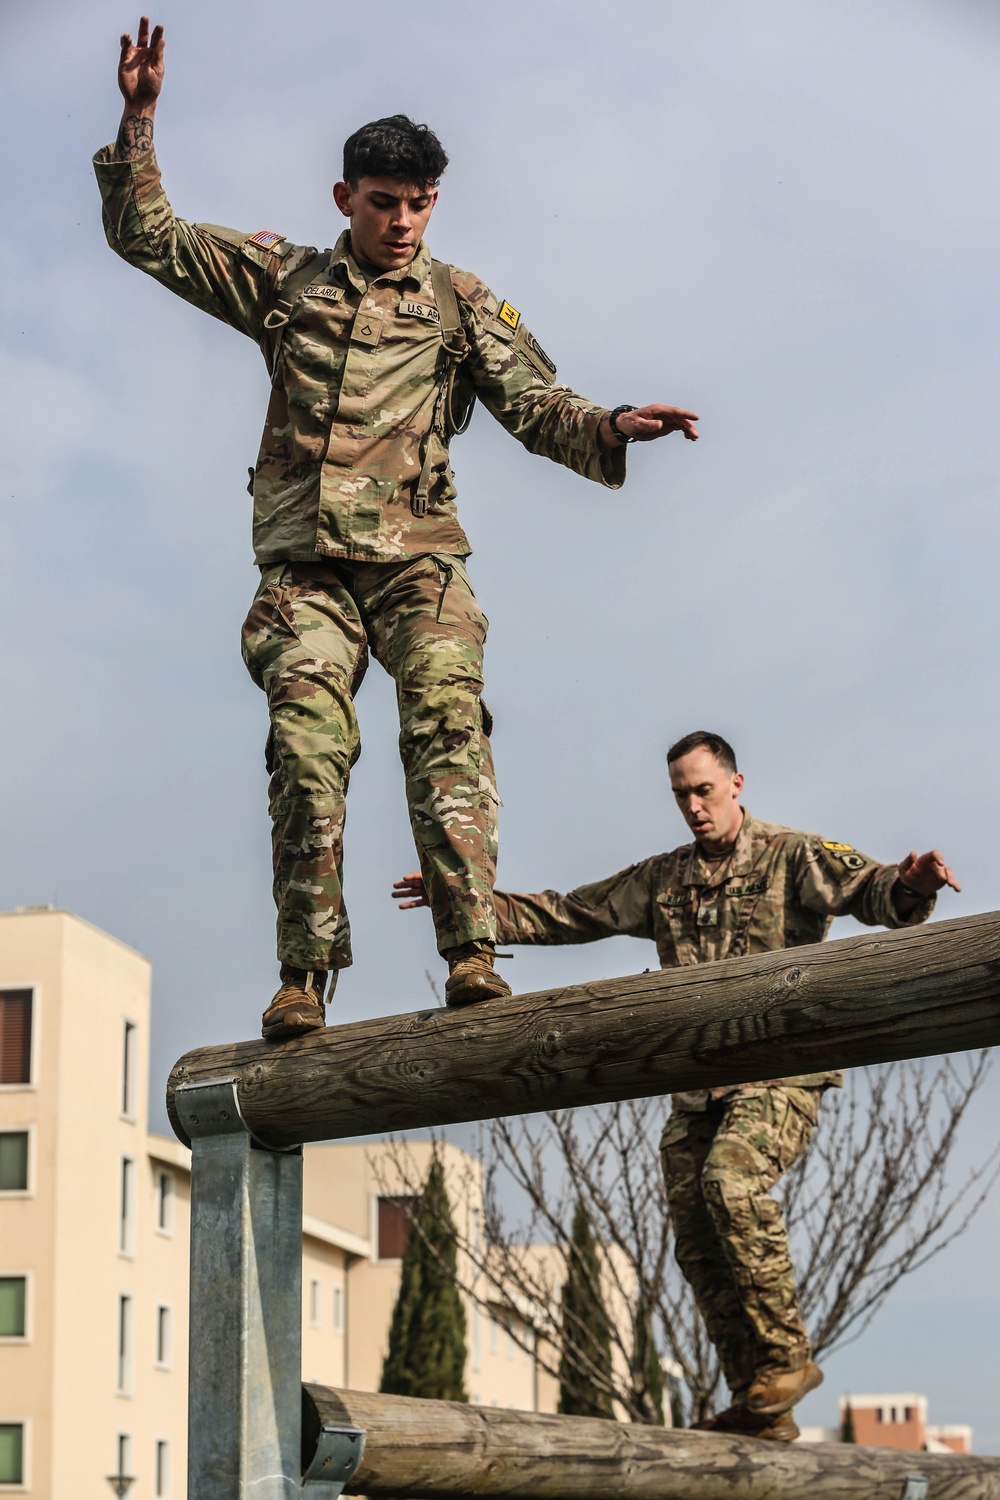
[
  {"x": 410, "y": 891},
  {"x": 653, "y": 421},
  {"x": 645, "y": 423},
  {"x": 140, "y": 67},
  {"x": 926, "y": 873}
]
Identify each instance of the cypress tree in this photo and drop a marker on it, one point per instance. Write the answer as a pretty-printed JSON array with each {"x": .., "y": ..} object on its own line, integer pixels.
[
  {"x": 427, "y": 1337},
  {"x": 586, "y": 1328},
  {"x": 847, "y": 1425},
  {"x": 653, "y": 1378}
]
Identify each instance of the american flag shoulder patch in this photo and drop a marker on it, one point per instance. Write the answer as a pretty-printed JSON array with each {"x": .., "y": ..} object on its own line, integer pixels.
[{"x": 266, "y": 239}]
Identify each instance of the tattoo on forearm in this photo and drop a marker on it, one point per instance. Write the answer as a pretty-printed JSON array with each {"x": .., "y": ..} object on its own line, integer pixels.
[{"x": 135, "y": 138}]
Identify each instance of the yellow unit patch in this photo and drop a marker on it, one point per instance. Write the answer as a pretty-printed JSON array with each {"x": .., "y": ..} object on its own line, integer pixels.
[
  {"x": 837, "y": 848},
  {"x": 509, "y": 315}
]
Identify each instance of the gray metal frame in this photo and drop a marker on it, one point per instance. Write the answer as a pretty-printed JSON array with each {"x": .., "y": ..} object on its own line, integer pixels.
[{"x": 245, "y": 1387}]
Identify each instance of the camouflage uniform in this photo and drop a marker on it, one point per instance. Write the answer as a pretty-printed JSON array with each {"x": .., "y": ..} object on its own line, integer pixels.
[
  {"x": 723, "y": 1149},
  {"x": 356, "y": 534}
]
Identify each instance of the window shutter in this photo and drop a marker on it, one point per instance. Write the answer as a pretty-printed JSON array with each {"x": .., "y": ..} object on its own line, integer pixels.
[{"x": 15, "y": 1036}]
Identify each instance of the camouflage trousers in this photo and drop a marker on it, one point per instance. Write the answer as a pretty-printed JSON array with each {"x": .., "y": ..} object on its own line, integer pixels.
[
  {"x": 730, "y": 1238},
  {"x": 306, "y": 642}
]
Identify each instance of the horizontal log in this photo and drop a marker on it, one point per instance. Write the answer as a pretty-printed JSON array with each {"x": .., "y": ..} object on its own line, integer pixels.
[
  {"x": 440, "y": 1448},
  {"x": 866, "y": 999}
]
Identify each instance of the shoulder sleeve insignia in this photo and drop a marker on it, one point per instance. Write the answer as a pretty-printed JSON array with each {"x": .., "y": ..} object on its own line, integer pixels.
[
  {"x": 508, "y": 315},
  {"x": 531, "y": 351},
  {"x": 837, "y": 848},
  {"x": 265, "y": 238}
]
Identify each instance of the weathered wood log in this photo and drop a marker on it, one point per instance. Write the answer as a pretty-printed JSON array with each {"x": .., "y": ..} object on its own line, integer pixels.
[
  {"x": 865, "y": 999},
  {"x": 441, "y": 1448}
]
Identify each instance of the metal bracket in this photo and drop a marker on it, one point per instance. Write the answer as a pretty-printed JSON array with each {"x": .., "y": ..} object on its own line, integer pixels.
[
  {"x": 212, "y": 1107},
  {"x": 914, "y": 1487},
  {"x": 338, "y": 1454}
]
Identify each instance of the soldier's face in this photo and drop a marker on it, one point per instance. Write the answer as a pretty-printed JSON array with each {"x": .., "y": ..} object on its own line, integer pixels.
[
  {"x": 708, "y": 796},
  {"x": 388, "y": 219}
]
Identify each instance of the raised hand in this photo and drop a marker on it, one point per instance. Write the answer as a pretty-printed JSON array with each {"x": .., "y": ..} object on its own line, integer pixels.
[
  {"x": 926, "y": 873},
  {"x": 140, "y": 67},
  {"x": 410, "y": 891}
]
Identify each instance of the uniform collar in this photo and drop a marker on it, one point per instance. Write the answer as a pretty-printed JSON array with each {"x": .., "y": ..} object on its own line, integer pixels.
[
  {"x": 343, "y": 264},
  {"x": 740, "y": 862}
]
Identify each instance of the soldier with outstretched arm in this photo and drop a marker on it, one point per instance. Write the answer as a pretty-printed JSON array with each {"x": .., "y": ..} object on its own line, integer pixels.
[
  {"x": 742, "y": 886},
  {"x": 376, "y": 353}
]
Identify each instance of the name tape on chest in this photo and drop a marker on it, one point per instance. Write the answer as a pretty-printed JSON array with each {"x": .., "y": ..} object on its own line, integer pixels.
[
  {"x": 509, "y": 315},
  {"x": 265, "y": 238},
  {"x": 323, "y": 289},
  {"x": 408, "y": 308}
]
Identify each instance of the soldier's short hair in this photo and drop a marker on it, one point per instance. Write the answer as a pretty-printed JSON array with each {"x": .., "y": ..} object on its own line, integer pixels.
[
  {"x": 394, "y": 147},
  {"x": 720, "y": 748}
]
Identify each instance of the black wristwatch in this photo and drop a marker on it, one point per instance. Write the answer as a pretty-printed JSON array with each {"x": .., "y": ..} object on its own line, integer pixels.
[{"x": 613, "y": 424}]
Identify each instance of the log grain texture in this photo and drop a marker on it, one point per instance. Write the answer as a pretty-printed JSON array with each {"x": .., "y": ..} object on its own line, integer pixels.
[
  {"x": 441, "y": 1448},
  {"x": 867, "y": 999}
]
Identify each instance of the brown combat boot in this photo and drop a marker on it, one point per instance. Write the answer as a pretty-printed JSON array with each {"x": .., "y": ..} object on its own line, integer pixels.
[
  {"x": 783, "y": 1429},
  {"x": 778, "y": 1391},
  {"x": 472, "y": 976},
  {"x": 737, "y": 1418},
  {"x": 298, "y": 1006}
]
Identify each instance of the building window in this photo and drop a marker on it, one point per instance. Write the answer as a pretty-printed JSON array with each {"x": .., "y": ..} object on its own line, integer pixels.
[
  {"x": 15, "y": 1036},
  {"x": 128, "y": 1070},
  {"x": 124, "y": 1384},
  {"x": 165, "y": 1202},
  {"x": 314, "y": 1303},
  {"x": 338, "y": 1309},
  {"x": 12, "y": 1306},
  {"x": 123, "y": 1448},
  {"x": 395, "y": 1215},
  {"x": 11, "y": 1453},
  {"x": 13, "y": 1161},
  {"x": 163, "y": 1335},
  {"x": 494, "y": 1333},
  {"x": 126, "y": 1223},
  {"x": 162, "y": 1469}
]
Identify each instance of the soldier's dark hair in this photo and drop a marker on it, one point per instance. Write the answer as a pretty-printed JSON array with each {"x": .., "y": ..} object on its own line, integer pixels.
[
  {"x": 394, "y": 147},
  {"x": 720, "y": 748}
]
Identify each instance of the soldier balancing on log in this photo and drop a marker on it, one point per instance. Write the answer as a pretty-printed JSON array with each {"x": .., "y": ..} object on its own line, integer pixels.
[
  {"x": 741, "y": 887},
  {"x": 376, "y": 354}
]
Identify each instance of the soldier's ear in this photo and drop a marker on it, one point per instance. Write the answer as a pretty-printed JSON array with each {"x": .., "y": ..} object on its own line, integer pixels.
[
  {"x": 343, "y": 196},
  {"x": 737, "y": 782}
]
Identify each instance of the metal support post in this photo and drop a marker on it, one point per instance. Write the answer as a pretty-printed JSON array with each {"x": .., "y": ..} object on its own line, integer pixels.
[{"x": 244, "y": 1400}]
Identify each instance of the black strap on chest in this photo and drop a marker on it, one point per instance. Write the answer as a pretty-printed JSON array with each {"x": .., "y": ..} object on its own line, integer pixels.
[
  {"x": 276, "y": 320},
  {"x": 450, "y": 415}
]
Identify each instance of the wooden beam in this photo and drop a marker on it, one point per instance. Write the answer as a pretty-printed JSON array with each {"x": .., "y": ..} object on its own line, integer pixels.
[
  {"x": 866, "y": 999},
  {"x": 441, "y": 1448}
]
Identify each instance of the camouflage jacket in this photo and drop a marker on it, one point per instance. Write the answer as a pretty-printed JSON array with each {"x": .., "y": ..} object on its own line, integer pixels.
[
  {"x": 355, "y": 395},
  {"x": 778, "y": 889}
]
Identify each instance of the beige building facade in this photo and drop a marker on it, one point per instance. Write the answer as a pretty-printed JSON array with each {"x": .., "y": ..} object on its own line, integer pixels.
[{"x": 94, "y": 1224}]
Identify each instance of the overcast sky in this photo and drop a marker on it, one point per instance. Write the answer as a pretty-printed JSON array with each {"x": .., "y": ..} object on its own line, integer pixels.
[{"x": 782, "y": 215}]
